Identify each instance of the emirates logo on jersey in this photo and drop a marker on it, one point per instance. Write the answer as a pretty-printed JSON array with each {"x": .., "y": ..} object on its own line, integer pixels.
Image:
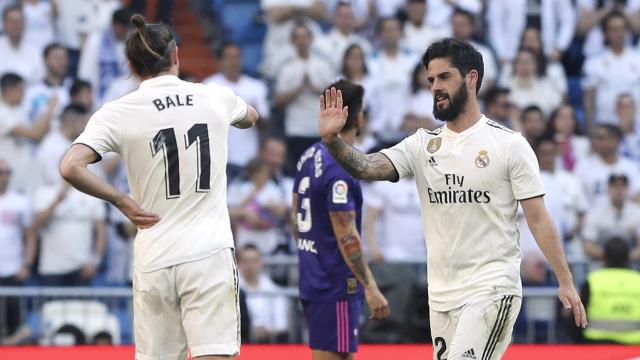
[{"x": 482, "y": 160}]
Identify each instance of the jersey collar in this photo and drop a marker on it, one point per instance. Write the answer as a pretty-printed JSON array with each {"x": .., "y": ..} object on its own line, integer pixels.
[
  {"x": 477, "y": 126},
  {"x": 159, "y": 81}
]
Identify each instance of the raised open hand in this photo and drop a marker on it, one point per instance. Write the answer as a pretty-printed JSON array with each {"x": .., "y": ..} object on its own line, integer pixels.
[{"x": 332, "y": 115}]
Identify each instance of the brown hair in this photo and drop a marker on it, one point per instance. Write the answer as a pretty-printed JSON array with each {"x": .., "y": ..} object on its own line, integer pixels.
[{"x": 149, "y": 47}]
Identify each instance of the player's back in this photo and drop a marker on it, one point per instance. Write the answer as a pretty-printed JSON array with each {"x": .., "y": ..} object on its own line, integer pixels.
[
  {"x": 172, "y": 136},
  {"x": 322, "y": 186}
]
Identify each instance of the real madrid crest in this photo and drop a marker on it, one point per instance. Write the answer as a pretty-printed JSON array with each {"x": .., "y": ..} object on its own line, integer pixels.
[
  {"x": 482, "y": 160},
  {"x": 434, "y": 144}
]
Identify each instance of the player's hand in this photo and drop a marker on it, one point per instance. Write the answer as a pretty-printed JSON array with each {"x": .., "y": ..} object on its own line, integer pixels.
[
  {"x": 139, "y": 217},
  {"x": 571, "y": 302},
  {"x": 88, "y": 271},
  {"x": 332, "y": 115},
  {"x": 378, "y": 305}
]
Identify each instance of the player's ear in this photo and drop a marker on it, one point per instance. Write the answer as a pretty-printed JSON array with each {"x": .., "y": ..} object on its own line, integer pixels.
[{"x": 472, "y": 79}]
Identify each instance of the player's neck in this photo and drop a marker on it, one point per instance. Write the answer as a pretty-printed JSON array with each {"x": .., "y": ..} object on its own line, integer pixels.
[{"x": 466, "y": 119}]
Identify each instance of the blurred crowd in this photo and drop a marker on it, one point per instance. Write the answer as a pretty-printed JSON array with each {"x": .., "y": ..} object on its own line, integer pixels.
[{"x": 565, "y": 73}]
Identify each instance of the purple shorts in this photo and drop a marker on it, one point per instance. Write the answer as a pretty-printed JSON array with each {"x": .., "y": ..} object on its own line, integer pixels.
[{"x": 333, "y": 325}]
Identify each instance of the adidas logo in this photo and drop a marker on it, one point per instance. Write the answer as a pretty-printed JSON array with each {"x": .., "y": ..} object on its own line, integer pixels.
[
  {"x": 469, "y": 354},
  {"x": 432, "y": 161}
]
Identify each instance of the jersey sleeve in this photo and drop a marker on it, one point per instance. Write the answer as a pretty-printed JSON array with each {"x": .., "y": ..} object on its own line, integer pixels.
[
  {"x": 339, "y": 188},
  {"x": 100, "y": 134},
  {"x": 238, "y": 107},
  {"x": 400, "y": 157},
  {"x": 523, "y": 169}
]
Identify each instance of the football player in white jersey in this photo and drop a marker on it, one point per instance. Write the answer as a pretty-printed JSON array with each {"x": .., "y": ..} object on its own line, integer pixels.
[
  {"x": 172, "y": 136},
  {"x": 471, "y": 174}
]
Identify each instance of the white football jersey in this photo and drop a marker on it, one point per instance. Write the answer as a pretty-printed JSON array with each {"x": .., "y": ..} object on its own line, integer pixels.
[
  {"x": 172, "y": 136},
  {"x": 469, "y": 185}
]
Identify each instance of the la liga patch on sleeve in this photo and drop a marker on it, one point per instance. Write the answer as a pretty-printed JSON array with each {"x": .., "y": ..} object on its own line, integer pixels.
[{"x": 340, "y": 192}]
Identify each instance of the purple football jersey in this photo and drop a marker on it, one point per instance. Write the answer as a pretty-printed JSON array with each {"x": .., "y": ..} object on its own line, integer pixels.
[{"x": 323, "y": 186}]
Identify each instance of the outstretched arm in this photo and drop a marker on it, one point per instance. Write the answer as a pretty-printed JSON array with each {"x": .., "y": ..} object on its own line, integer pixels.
[
  {"x": 333, "y": 116},
  {"x": 546, "y": 235},
  {"x": 345, "y": 230}
]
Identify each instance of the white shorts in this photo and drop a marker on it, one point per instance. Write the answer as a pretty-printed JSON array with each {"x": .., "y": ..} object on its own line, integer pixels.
[
  {"x": 480, "y": 330},
  {"x": 191, "y": 306}
]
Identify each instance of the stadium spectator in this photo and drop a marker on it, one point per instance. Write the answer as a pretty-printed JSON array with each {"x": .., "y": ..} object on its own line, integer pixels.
[
  {"x": 418, "y": 33},
  {"x": 119, "y": 252},
  {"x": 390, "y": 68},
  {"x": 465, "y": 29},
  {"x": 613, "y": 216},
  {"x": 527, "y": 86},
  {"x": 16, "y": 134},
  {"x": 354, "y": 68},
  {"x": 39, "y": 17},
  {"x": 53, "y": 147},
  {"x": 81, "y": 93},
  {"x": 614, "y": 72},
  {"x": 73, "y": 27},
  {"x": 243, "y": 144},
  {"x": 18, "y": 244},
  {"x": 440, "y": 11},
  {"x": 55, "y": 83},
  {"x": 563, "y": 128},
  {"x": 506, "y": 24},
  {"x": 72, "y": 235},
  {"x": 498, "y": 107},
  {"x": 102, "y": 57},
  {"x": 257, "y": 208},
  {"x": 393, "y": 206},
  {"x": 548, "y": 65},
  {"x": 269, "y": 314},
  {"x": 342, "y": 36},
  {"x": 282, "y": 17},
  {"x": 18, "y": 56},
  {"x": 604, "y": 161},
  {"x": 612, "y": 296},
  {"x": 626, "y": 112},
  {"x": 102, "y": 338},
  {"x": 591, "y": 14},
  {"x": 533, "y": 124},
  {"x": 298, "y": 87},
  {"x": 419, "y": 114}
]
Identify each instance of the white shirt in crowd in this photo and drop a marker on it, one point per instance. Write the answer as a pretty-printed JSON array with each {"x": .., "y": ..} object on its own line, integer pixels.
[
  {"x": 66, "y": 241},
  {"x": 603, "y": 221},
  {"x": 25, "y": 60},
  {"x": 469, "y": 185},
  {"x": 594, "y": 175},
  {"x": 594, "y": 41},
  {"x": 360, "y": 8},
  {"x": 418, "y": 39},
  {"x": 538, "y": 91},
  {"x": 243, "y": 143},
  {"x": 37, "y": 96},
  {"x": 265, "y": 240},
  {"x": 301, "y": 113},
  {"x": 439, "y": 11},
  {"x": 180, "y": 132},
  {"x": 611, "y": 75},
  {"x": 89, "y": 62},
  {"x": 388, "y": 8},
  {"x": 399, "y": 206},
  {"x": 506, "y": 22},
  {"x": 15, "y": 150},
  {"x": 277, "y": 43},
  {"x": 391, "y": 78},
  {"x": 334, "y": 44},
  {"x": 48, "y": 157},
  {"x": 489, "y": 62},
  {"x": 15, "y": 216},
  {"x": 72, "y": 22},
  {"x": 119, "y": 87},
  {"x": 39, "y": 29},
  {"x": 421, "y": 104},
  {"x": 270, "y": 312}
]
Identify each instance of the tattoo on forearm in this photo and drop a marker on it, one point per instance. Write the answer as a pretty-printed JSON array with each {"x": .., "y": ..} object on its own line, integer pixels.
[
  {"x": 351, "y": 247},
  {"x": 360, "y": 165}
]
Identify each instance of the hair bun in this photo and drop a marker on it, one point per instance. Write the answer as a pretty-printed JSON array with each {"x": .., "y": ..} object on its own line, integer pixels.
[{"x": 138, "y": 21}]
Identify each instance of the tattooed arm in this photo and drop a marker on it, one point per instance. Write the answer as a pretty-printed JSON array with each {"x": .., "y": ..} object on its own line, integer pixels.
[
  {"x": 293, "y": 217},
  {"x": 346, "y": 232}
]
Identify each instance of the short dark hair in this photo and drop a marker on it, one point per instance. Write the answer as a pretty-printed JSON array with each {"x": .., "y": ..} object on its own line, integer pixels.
[
  {"x": 604, "y": 23},
  {"x": 223, "y": 47},
  {"x": 347, "y": 52},
  {"x": 149, "y": 47},
  {"x": 103, "y": 335},
  {"x": 352, "y": 95},
  {"x": 616, "y": 252},
  {"x": 385, "y": 19},
  {"x": 299, "y": 23},
  {"x": 50, "y": 48},
  {"x": 417, "y": 1},
  {"x": 79, "y": 85},
  {"x": 462, "y": 12},
  {"x": 532, "y": 109},
  {"x": 613, "y": 130},
  {"x": 73, "y": 109},
  {"x": 121, "y": 16},
  {"x": 462, "y": 55},
  {"x": 541, "y": 141},
  {"x": 10, "y": 81},
  {"x": 10, "y": 8},
  {"x": 491, "y": 95},
  {"x": 79, "y": 336},
  {"x": 614, "y": 178}
]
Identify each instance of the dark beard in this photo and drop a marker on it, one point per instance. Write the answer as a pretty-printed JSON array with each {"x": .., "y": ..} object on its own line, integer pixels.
[{"x": 456, "y": 106}]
